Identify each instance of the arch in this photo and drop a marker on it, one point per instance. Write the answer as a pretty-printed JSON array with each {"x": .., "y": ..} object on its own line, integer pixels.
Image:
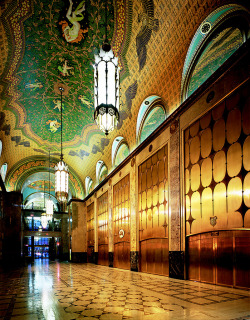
[
  {"x": 4, "y": 169},
  {"x": 120, "y": 150},
  {"x": 36, "y": 201},
  {"x": 38, "y": 164},
  {"x": 151, "y": 114},
  {"x": 88, "y": 185},
  {"x": 216, "y": 39},
  {"x": 101, "y": 171}
]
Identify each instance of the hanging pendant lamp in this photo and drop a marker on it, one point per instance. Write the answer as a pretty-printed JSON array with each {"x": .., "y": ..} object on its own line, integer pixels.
[
  {"x": 106, "y": 87},
  {"x": 44, "y": 220},
  {"x": 61, "y": 170},
  {"x": 49, "y": 203}
]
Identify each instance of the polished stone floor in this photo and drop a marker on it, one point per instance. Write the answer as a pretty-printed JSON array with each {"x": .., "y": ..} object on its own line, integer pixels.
[{"x": 53, "y": 290}]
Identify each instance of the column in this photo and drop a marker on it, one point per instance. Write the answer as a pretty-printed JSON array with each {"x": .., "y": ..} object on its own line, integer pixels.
[
  {"x": 110, "y": 224},
  {"x": 95, "y": 258},
  {"x": 79, "y": 232},
  {"x": 176, "y": 256},
  {"x": 134, "y": 232}
]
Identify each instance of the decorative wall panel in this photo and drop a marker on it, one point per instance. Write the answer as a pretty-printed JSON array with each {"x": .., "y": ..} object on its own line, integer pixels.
[
  {"x": 217, "y": 189},
  {"x": 102, "y": 204},
  {"x": 121, "y": 218},
  {"x": 153, "y": 213},
  {"x": 217, "y": 165},
  {"x": 90, "y": 231}
]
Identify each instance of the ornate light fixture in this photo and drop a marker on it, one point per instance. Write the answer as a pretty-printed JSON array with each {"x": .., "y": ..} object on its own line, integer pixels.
[
  {"x": 44, "y": 220},
  {"x": 106, "y": 87},
  {"x": 61, "y": 170},
  {"x": 49, "y": 203}
]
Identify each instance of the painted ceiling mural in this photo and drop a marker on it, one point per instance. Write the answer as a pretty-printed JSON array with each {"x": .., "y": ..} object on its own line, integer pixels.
[{"x": 52, "y": 44}]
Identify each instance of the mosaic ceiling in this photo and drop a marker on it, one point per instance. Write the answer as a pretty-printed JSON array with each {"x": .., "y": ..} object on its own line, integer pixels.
[
  {"x": 48, "y": 43},
  {"x": 52, "y": 44}
]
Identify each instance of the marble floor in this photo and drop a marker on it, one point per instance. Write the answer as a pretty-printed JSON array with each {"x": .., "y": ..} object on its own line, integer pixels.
[{"x": 52, "y": 290}]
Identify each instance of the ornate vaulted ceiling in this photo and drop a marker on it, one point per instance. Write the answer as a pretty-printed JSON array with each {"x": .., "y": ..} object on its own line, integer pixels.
[{"x": 47, "y": 43}]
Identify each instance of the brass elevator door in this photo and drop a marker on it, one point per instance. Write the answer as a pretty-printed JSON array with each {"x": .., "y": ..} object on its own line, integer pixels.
[
  {"x": 153, "y": 213},
  {"x": 102, "y": 204},
  {"x": 121, "y": 219}
]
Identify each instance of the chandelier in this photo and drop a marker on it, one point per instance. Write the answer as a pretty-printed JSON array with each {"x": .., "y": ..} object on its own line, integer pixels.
[
  {"x": 106, "y": 87},
  {"x": 61, "y": 170},
  {"x": 44, "y": 220},
  {"x": 49, "y": 203}
]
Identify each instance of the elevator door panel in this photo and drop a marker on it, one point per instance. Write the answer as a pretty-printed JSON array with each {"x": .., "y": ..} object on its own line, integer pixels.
[
  {"x": 242, "y": 259},
  {"x": 224, "y": 260},
  {"x": 102, "y": 215},
  {"x": 121, "y": 223},
  {"x": 103, "y": 255},
  {"x": 122, "y": 255},
  {"x": 154, "y": 256},
  {"x": 90, "y": 232},
  {"x": 153, "y": 213}
]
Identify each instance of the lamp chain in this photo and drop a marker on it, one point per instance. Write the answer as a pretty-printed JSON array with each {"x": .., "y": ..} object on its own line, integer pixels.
[{"x": 61, "y": 89}]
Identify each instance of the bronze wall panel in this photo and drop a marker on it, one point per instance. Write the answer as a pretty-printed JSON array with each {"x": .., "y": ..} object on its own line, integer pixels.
[
  {"x": 193, "y": 250},
  {"x": 122, "y": 255},
  {"x": 102, "y": 216},
  {"x": 206, "y": 143},
  {"x": 224, "y": 259},
  {"x": 206, "y": 260},
  {"x": 223, "y": 168},
  {"x": 103, "y": 254},
  {"x": 90, "y": 232},
  {"x": 246, "y": 153},
  {"x": 233, "y": 126},
  {"x": 245, "y": 118},
  {"x": 234, "y": 159},
  {"x": 242, "y": 258},
  {"x": 246, "y": 189},
  {"x": 154, "y": 257},
  {"x": 121, "y": 219},
  {"x": 219, "y": 134},
  {"x": 221, "y": 257},
  {"x": 153, "y": 213}
]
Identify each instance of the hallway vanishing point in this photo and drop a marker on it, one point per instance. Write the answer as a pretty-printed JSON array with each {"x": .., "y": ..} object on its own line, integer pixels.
[{"x": 51, "y": 290}]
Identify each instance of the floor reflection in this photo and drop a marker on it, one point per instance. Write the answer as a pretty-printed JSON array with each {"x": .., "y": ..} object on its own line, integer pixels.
[{"x": 61, "y": 290}]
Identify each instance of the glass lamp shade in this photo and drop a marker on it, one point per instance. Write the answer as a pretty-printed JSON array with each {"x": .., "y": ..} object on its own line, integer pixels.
[
  {"x": 49, "y": 209},
  {"x": 44, "y": 220},
  {"x": 106, "y": 94},
  {"x": 61, "y": 181}
]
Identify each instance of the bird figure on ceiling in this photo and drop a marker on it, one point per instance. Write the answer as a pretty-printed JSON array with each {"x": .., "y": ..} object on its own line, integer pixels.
[{"x": 148, "y": 24}]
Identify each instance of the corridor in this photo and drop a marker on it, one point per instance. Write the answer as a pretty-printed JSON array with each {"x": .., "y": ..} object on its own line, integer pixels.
[{"x": 60, "y": 291}]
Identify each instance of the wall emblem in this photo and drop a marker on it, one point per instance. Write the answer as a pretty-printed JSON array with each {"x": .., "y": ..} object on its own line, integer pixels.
[
  {"x": 121, "y": 233},
  {"x": 213, "y": 221}
]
